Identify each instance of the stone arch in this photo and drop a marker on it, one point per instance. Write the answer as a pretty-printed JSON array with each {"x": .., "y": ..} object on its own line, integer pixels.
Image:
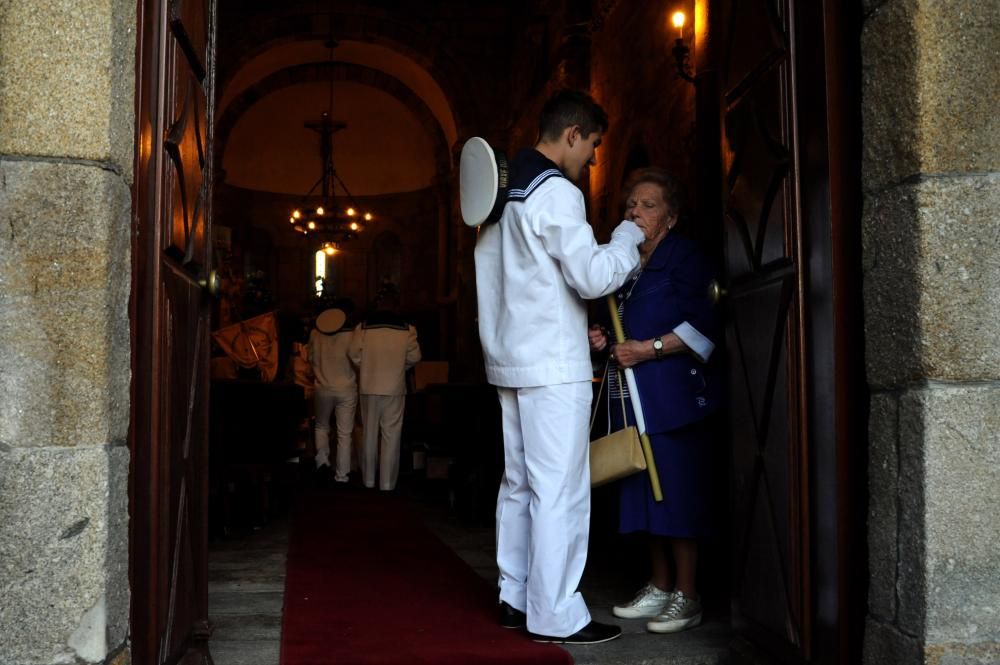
[
  {"x": 337, "y": 71},
  {"x": 257, "y": 34}
]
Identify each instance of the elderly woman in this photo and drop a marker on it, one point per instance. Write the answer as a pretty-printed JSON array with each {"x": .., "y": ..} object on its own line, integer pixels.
[{"x": 672, "y": 328}]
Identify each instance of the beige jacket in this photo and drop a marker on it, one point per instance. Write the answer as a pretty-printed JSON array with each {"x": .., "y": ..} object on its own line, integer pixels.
[{"x": 383, "y": 348}]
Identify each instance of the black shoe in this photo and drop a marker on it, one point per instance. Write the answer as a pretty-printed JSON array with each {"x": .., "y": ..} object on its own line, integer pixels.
[
  {"x": 592, "y": 633},
  {"x": 511, "y": 618}
]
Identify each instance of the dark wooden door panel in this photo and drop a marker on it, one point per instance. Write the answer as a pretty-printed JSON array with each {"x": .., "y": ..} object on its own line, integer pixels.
[
  {"x": 758, "y": 175},
  {"x": 784, "y": 76},
  {"x": 170, "y": 308},
  {"x": 762, "y": 228}
]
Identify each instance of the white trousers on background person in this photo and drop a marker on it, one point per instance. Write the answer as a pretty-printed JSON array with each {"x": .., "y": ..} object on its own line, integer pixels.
[
  {"x": 343, "y": 406},
  {"x": 382, "y": 416},
  {"x": 543, "y": 508}
]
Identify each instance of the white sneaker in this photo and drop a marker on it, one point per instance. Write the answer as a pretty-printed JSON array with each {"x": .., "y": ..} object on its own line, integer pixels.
[
  {"x": 682, "y": 613},
  {"x": 648, "y": 602}
]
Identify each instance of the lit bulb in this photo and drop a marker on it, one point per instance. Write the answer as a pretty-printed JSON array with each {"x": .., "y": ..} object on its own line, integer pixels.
[
  {"x": 351, "y": 212},
  {"x": 368, "y": 217},
  {"x": 319, "y": 210},
  {"x": 291, "y": 220},
  {"x": 312, "y": 226},
  {"x": 296, "y": 214},
  {"x": 354, "y": 226},
  {"x": 330, "y": 251},
  {"x": 678, "y": 20}
]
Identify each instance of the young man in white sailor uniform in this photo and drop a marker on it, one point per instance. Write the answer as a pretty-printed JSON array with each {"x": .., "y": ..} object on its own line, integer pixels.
[
  {"x": 336, "y": 390},
  {"x": 534, "y": 268},
  {"x": 384, "y": 346}
]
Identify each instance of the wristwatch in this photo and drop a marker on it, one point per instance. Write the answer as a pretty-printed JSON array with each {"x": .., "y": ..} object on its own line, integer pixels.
[{"x": 658, "y": 347}]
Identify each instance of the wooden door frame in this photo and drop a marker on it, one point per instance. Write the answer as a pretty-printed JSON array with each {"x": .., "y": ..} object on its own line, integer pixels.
[{"x": 143, "y": 314}]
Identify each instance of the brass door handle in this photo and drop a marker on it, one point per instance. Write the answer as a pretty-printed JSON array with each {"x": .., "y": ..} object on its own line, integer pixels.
[
  {"x": 212, "y": 283},
  {"x": 716, "y": 292}
]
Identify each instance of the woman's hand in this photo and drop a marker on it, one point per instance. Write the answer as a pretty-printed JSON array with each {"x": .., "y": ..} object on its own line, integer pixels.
[
  {"x": 598, "y": 337},
  {"x": 632, "y": 352}
]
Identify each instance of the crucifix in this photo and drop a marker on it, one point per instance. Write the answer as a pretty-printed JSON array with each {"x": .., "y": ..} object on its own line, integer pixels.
[{"x": 326, "y": 128}]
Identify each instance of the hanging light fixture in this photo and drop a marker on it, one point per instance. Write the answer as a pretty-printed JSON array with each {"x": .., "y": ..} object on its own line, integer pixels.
[{"x": 331, "y": 219}]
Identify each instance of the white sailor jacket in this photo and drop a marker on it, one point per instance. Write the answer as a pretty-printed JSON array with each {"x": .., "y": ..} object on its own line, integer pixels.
[{"x": 534, "y": 268}]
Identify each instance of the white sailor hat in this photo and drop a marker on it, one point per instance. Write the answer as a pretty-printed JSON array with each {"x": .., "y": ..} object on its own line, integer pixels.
[
  {"x": 330, "y": 321},
  {"x": 483, "y": 181}
]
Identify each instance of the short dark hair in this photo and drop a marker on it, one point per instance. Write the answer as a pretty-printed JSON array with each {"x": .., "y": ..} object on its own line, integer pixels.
[
  {"x": 672, "y": 191},
  {"x": 571, "y": 107}
]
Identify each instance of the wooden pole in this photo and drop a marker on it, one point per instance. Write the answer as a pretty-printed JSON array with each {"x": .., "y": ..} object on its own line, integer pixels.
[{"x": 633, "y": 392}]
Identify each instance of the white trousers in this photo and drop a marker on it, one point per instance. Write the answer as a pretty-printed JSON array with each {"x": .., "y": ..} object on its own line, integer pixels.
[
  {"x": 344, "y": 406},
  {"x": 543, "y": 509},
  {"x": 382, "y": 416}
]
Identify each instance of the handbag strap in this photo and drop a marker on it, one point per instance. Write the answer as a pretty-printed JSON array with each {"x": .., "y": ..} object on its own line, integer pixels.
[{"x": 600, "y": 391}]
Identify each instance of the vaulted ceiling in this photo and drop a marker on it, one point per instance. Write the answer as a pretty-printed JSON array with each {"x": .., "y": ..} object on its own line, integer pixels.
[{"x": 410, "y": 80}]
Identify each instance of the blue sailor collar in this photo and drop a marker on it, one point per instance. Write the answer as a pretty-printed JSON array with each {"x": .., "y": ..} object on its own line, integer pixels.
[{"x": 530, "y": 169}]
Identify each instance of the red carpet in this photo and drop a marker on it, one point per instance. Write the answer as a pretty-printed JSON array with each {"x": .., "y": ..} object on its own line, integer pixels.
[{"x": 367, "y": 583}]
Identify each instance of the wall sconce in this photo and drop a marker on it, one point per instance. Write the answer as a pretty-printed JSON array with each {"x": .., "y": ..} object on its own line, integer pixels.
[{"x": 681, "y": 51}]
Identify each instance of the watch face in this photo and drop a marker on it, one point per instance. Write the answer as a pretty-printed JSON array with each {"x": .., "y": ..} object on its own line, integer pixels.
[{"x": 657, "y": 344}]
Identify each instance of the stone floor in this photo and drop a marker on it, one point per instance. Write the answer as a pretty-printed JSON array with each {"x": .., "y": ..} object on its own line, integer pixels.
[
  {"x": 246, "y": 589},
  {"x": 706, "y": 645}
]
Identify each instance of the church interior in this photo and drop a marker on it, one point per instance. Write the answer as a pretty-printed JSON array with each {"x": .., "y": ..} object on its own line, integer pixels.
[
  {"x": 337, "y": 134},
  {"x": 190, "y": 190},
  {"x": 338, "y": 130}
]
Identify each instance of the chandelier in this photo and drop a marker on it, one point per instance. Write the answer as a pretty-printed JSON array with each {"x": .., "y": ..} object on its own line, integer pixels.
[{"x": 330, "y": 220}]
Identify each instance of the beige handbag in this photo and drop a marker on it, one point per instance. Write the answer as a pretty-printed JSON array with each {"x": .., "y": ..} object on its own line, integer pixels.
[{"x": 618, "y": 454}]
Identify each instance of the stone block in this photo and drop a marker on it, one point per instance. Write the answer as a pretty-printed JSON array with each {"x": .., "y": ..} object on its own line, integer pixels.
[
  {"x": 932, "y": 281},
  {"x": 961, "y": 490},
  {"x": 868, "y": 6},
  {"x": 911, "y": 573},
  {"x": 883, "y": 468},
  {"x": 980, "y": 653},
  {"x": 959, "y": 77},
  {"x": 65, "y": 276},
  {"x": 67, "y": 81},
  {"x": 885, "y": 644},
  {"x": 929, "y": 101},
  {"x": 889, "y": 102},
  {"x": 63, "y": 554}
]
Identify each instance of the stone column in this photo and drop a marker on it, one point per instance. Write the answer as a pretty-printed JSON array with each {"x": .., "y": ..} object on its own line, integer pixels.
[
  {"x": 67, "y": 98},
  {"x": 931, "y": 225}
]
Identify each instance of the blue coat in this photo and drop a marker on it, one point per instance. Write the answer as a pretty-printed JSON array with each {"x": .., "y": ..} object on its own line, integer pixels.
[{"x": 678, "y": 389}]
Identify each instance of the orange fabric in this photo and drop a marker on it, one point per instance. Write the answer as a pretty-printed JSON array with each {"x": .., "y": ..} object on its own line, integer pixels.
[{"x": 252, "y": 343}]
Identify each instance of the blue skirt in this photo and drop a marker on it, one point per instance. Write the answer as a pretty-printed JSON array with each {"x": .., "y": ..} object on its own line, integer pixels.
[{"x": 682, "y": 458}]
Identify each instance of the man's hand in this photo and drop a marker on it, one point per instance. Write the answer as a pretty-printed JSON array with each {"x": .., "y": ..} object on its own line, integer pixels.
[{"x": 598, "y": 337}]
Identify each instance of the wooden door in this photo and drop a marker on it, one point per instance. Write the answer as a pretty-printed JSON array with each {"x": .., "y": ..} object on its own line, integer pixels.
[
  {"x": 765, "y": 335},
  {"x": 171, "y": 259}
]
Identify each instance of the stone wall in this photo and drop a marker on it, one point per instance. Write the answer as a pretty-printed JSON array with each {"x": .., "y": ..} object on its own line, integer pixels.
[
  {"x": 932, "y": 298},
  {"x": 622, "y": 56},
  {"x": 651, "y": 110},
  {"x": 66, "y": 154}
]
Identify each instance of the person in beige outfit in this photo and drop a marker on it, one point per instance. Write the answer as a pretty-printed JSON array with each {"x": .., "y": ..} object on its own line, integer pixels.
[{"x": 384, "y": 346}]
